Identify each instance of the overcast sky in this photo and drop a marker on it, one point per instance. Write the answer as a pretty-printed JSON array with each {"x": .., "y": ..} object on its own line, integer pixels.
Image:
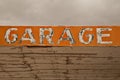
[{"x": 59, "y": 12}]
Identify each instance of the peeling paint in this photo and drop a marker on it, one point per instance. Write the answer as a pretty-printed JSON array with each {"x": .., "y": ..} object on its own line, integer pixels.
[
  {"x": 90, "y": 36},
  {"x": 48, "y": 37},
  {"x": 7, "y": 35},
  {"x": 29, "y": 32},
  {"x": 100, "y": 35},
  {"x": 69, "y": 36}
]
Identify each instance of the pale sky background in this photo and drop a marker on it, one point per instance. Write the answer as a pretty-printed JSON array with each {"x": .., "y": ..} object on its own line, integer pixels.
[{"x": 60, "y": 12}]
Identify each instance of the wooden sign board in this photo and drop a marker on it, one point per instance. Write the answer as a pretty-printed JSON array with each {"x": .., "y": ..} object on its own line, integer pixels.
[{"x": 59, "y": 36}]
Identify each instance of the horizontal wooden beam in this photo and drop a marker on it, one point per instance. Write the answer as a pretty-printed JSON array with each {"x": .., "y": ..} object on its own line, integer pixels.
[{"x": 59, "y": 36}]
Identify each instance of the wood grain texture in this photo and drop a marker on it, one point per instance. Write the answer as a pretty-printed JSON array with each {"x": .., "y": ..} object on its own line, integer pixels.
[{"x": 59, "y": 63}]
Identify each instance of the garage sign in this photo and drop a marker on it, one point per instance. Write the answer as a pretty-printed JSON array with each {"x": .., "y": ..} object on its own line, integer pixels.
[{"x": 59, "y": 36}]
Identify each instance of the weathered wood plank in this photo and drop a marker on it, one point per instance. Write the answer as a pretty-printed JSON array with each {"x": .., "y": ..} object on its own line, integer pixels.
[
  {"x": 59, "y": 63},
  {"x": 10, "y": 78},
  {"x": 10, "y": 50}
]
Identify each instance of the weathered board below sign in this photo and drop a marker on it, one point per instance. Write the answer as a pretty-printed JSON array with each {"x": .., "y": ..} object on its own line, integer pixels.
[{"x": 59, "y": 36}]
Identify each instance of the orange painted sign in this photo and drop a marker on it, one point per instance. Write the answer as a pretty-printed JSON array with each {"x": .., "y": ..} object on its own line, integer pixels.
[{"x": 59, "y": 36}]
